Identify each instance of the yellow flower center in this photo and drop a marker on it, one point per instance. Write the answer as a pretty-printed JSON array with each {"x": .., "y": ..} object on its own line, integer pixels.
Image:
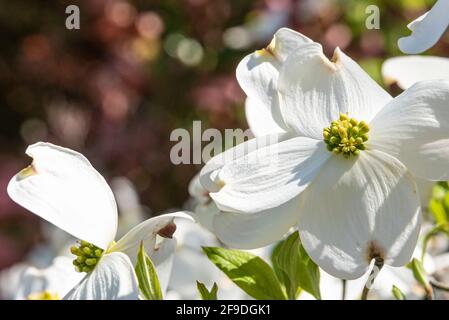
[
  {"x": 87, "y": 256},
  {"x": 44, "y": 295},
  {"x": 346, "y": 136}
]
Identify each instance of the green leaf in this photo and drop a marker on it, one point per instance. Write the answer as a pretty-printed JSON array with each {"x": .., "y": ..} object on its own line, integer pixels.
[
  {"x": 249, "y": 272},
  {"x": 280, "y": 273},
  {"x": 446, "y": 204},
  {"x": 295, "y": 269},
  {"x": 146, "y": 274},
  {"x": 439, "y": 190},
  {"x": 438, "y": 212},
  {"x": 441, "y": 228},
  {"x": 206, "y": 294},
  {"x": 397, "y": 293},
  {"x": 419, "y": 273}
]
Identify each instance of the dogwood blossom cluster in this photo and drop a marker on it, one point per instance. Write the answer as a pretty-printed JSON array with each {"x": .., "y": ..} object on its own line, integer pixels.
[{"x": 334, "y": 156}]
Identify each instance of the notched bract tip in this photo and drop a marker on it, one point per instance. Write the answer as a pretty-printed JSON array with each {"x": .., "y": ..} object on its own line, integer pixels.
[
  {"x": 334, "y": 64},
  {"x": 268, "y": 50},
  {"x": 27, "y": 172},
  {"x": 375, "y": 251},
  {"x": 167, "y": 231}
]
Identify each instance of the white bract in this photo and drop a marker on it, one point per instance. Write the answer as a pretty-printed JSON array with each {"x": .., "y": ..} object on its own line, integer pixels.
[
  {"x": 407, "y": 70},
  {"x": 202, "y": 207},
  {"x": 427, "y": 29},
  {"x": 342, "y": 169},
  {"x": 62, "y": 187}
]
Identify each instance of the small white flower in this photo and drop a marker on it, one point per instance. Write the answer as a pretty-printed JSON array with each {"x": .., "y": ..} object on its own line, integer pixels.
[
  {"x": 351, "y": 192},
  {"x": 62, "y": 187},
  {"x": 25, "y": 281},
  {"x": 427, "y": 29}
]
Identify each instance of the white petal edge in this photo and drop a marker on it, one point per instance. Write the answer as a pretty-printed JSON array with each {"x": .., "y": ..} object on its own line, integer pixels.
[
  {"x": 250, "y": 231},
  {"x": 314, "y": 90},
  {"x": 196, "y": 189},
  {"x": 112, "y": 279},
  {"x": 162, "y": 259},
  {"x": 208, "y": 177},
  {"x": 146, "y": 232},
  {"x": 260, "y": 120},
  {"x": 427, "y": 29},
  {"x": 204, "y": 209},
  {"x": 270, "y": 176},
  {"x": 407, "y": 70},
  {"x": 258, "y": 72},
  {"x": 425, "y": 191},
  {"x": 257, "y": 75},
  {"x": 287, "y": 41},
  {"x": 414, "y": 128},
  {"x": 63, "y": 188},
  {"x": 359, "y": 208}
]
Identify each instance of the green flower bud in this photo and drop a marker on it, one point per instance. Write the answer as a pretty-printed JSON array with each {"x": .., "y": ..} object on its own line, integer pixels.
[
  {"x": 87, "y": 256},
  {"x": 91, "y": 261}
]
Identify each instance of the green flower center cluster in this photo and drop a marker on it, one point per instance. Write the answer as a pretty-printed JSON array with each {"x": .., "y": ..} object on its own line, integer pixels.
[
  {"x": 87, "y": 256},
  {"x": 346, "y": 136}
]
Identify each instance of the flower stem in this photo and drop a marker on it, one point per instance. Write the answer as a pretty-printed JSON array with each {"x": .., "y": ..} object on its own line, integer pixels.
[
  {"x": 343, "y": 289},
  {"x": 429, "y": 293},
  {"x": 378, "y": 264}
]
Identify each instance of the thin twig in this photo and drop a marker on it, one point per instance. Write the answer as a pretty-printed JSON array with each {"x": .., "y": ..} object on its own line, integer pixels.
[{"x": 439, "y": 285}]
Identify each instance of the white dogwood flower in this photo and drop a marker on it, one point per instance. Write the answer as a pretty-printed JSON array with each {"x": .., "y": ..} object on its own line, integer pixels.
[
  {"x": 405, "y": 71},
  {"x": 427, "y": 29},
  {"x": 62, "y": 187},
  {"x": 344, "y": 170}
]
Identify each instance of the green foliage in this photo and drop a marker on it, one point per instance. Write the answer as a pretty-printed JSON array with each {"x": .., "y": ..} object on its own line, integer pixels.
[
  {"x": 249, "y": 272},
  {"x": 419, "y": 273},
  {"x": 439, "y": 209},
  {"x": 295, "y": 269},
  {"x": 397, "y": 293},
  {"x": 292, "y": 271},
  {"x": 373, "y": 67},
  {"x": 146, "y": 275},
  {"x": 439, "y": 204},
  {"x": 440, "y": 228},
  {"x": 206, "y": 294}
]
